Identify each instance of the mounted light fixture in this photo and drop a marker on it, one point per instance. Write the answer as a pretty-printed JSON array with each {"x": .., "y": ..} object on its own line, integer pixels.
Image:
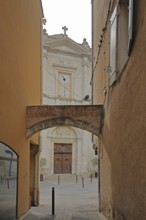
[{"x": 86, "y": 98}]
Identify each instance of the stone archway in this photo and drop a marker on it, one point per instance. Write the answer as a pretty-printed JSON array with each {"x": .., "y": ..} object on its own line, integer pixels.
[{"x": 86, "y": 117}]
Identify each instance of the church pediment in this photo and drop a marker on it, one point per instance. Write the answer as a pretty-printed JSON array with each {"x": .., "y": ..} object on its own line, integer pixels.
[
  {"x": 65, "y": 44},
  {"x": 64, "y": 48}
]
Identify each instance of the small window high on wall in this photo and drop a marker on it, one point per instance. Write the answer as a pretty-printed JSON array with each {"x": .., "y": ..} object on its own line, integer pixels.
[{"x": 120, "y": 38}]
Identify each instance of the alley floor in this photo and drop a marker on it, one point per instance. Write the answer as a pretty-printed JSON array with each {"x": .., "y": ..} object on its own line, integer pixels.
[{"x": 76, "y": 198}]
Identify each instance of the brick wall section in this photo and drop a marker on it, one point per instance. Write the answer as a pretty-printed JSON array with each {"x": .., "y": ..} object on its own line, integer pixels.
[{"x": 85, "y": 117}]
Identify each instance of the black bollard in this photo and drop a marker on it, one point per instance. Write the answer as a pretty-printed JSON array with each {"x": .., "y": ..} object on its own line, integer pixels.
[
  {"x": 76, "y": 179},
  {"x": 8, "y": 183},
  {"x": 58, "y": 179},
  {"x": 41, "y": 177},
  {"x": 53, "y": 201},
  {"x": 1, "y": 179},
  {"x": 82, "y": 182}
]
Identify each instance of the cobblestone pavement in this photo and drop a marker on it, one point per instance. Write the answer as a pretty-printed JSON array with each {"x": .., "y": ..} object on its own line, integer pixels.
[{"x": 75, "y": 199}]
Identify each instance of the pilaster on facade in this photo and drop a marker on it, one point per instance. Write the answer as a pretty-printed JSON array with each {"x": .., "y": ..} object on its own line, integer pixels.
[{"x": 67, "y": 73}]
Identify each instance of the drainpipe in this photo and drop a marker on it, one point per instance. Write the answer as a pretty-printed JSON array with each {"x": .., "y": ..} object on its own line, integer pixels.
[
  {"x": 99, "y": 194},
  {"x": 92, "y": 54},
  {"x": 43, "y": 22},
  {"x": 92, "y": 48},
  {"x": 36, "y": 182}
]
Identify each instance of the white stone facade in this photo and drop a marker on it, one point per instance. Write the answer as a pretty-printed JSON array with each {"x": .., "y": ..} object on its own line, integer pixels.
[{"x": 66, "y": 81}]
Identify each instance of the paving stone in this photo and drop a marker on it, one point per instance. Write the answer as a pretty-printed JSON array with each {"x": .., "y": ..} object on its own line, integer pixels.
[{"x": 72, "y": 201}]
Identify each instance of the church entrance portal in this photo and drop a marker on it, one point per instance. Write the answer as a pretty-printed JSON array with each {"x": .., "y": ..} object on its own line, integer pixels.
[{"x": 62, "y": 158}]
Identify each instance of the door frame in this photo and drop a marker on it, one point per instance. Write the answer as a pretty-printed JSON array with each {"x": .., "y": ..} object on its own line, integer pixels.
[{"x": 61, "y": 153}]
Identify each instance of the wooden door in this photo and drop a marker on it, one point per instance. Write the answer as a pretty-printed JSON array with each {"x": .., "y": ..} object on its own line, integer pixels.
[{"x": 62, "y": 158}]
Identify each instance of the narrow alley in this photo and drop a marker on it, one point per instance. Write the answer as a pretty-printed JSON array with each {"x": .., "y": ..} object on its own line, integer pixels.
[
  {"x": 75, "y": 199},
  {"x": 73, "y": 102}
]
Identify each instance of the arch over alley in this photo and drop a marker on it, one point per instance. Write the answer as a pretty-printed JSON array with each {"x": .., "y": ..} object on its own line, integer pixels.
[{"x": 86, "y": 117}]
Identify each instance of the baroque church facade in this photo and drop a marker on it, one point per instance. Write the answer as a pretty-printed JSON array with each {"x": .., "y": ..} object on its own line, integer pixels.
[{"x": 66, "y": 81}]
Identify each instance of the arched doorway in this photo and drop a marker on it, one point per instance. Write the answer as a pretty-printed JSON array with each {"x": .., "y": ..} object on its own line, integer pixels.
[
  {"x": 8, "y": 182},
  {"x": 65, "y": 150}
]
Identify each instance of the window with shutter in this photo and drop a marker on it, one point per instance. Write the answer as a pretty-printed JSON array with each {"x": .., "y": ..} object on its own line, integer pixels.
[
  {"x": 120, "y": 38},
  {"x": 113, "y": 47},
  {"x": 130, "y": 25}
]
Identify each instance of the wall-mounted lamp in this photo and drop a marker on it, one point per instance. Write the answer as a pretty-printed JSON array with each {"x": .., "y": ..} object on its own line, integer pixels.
[{"x": 86, "y": 98}]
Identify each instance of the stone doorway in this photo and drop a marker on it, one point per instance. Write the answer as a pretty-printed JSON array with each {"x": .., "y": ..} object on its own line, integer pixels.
[{"x": 62, "y": 158}]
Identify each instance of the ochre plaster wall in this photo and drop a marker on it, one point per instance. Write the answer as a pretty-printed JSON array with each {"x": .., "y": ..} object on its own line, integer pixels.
[
  {"x": 20, "y": 66},
  {"x": 100, "y": 54},
  {"x": 123, "y": 147}
]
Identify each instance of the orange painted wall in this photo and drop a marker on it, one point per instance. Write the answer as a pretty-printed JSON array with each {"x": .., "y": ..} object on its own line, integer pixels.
[
  {"x": 122, "y": 149},
  {"x": 20, "y": 77}
]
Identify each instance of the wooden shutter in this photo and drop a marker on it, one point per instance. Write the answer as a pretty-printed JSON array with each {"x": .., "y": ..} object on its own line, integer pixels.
[
  {"x": 130, "y": 25},
  {"x": 113, "y": 47}
]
